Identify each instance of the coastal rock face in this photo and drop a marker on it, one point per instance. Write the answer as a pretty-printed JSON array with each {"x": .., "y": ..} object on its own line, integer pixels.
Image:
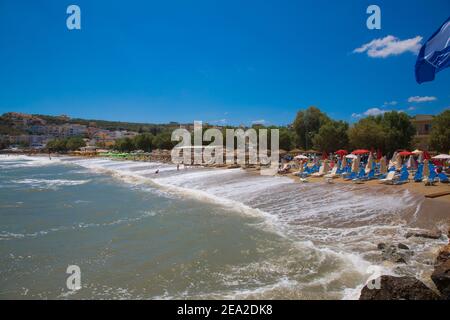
[
  {"x": 399, "y": 288},
  {"x": 425, "y": 234},
  {"x": 441, "y": 274}
]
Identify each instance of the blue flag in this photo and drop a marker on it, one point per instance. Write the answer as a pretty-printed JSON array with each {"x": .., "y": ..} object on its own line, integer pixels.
[{"x": 434, "y": 55}]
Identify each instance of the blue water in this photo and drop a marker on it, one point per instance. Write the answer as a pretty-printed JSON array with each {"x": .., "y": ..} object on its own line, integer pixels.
[{"x": 193, "y": 233}]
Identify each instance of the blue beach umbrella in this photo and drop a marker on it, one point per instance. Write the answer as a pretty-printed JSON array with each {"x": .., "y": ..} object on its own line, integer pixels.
[{"x": 434, "y": 56}]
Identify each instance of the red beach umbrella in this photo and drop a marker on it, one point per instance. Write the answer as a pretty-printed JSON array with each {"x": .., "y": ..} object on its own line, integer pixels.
[
  {"x": 360, "y": 151},
  {"x": 341, "y": 152},
  {"x": 405, "y": 153},
  {"x": 379, "y": 154}
]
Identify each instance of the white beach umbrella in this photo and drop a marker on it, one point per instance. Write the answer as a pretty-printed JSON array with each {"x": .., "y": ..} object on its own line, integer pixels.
[
  {"x": 411, "y": 163},
  {"x": 398, "y": 162},
  {"x": 369, "y": 163},
  {"x": 300, "y": 157},
  {"x": 420, "y": 159},
  {"x": 426, "y": 168},
  {"x": 442, "y": 157},
  {"x": 393, "y": 159},
  {"x": 355, "y": 164},
  {"x": 351, "y": 156},
  {"x": 326, "y": 166},
  {"x": 383, "y": 168},
  {"x": 417, "y": 151},
  {"x": 343, "y": 163}
]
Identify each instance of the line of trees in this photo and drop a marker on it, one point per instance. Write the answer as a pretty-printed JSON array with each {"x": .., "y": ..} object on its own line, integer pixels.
[
  {"x": 388, "y": 132},
  {"x": 146, "y": 142},
  {"x": 67, "y": 144}
]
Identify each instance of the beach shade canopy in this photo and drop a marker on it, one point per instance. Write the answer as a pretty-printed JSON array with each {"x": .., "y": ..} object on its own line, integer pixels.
[
  {"x": 405, "y": 153},
  {"x": 442, "y": 157},
  {"x": 411, "y": 163},
  {"x": 369, "y": 164},
  {"x": 351, "y": 156},
  {"x": 416, "y": 152},
  {"x": 426, "y": 168},
  {"x": 383, "y": 168},
  {"x": 300, "y": 157},
  {"x": 341, "y": 152},
  {"x": 360, "y": 151},
  {"x": 398, "y": 162}
]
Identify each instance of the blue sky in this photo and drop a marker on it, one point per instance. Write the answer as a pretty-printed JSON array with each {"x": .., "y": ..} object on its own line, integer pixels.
[{"x": 229, "y": 61}]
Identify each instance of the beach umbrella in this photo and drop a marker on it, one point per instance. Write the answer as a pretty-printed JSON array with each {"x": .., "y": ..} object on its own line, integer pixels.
[
  {"x": 355, "y": 165},
  {"x": 326, "y": 166},
  {"x": 360, "y": 151},
  {"x": 398, "y": 162},
  {"x": 426, "y": 168},
  {"x": 405, "y": 153},
  {"x": 379, "y": 154},
  {"x": 417, "y": 151},
  {"x": 442, "y": 157},
  {"x": 369, "y": 164},
  {"x": 351, "y": 156},
  {"x": 341, "y": 152},
  {"x": 393, "y": 159},
  {"x": 411, "y": 163},
  {"x": 383, "y": 168},
  {"x": 420, "y": 159},
  {"x": 300, "y": 157}
]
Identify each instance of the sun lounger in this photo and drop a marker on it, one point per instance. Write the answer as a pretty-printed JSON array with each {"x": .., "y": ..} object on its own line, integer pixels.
[
  {"x": 333, "y": 174},
  {"x": 418, "y": 176},
  {"x": 390, "y": 178},
  {"x": 404, "y": 177},
  {"x": 320, "y": 173},
  {"x": 442, "y": 177}
]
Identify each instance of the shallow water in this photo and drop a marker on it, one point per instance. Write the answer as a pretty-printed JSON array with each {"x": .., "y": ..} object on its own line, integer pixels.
[{"x": 193, "y": 233}]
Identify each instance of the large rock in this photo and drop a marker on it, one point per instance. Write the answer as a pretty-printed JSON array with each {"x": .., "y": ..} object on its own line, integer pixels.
[
  {"x": 397, "y": 254},
  {"x": 425, "y": 234},
  {"x": 441, "y": 278},
  {"x": 441, "y": 273},
  {"x": 444, "y": 254},
  {"x": 399, "y": 288}
]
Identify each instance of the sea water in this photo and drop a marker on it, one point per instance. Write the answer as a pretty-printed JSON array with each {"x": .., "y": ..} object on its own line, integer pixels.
[{"x": 193, "y": 233}]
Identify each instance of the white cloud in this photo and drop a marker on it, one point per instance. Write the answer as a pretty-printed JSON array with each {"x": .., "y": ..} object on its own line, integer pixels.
[
  {"x": 260, "y": 121},
  {"x": 390, "y": 103},
  {"x": 411, "y": 108},
  {"x": 356, "y": 115},
  {"x": 421, "y": 99},
  {"x": 374, "y": 112},
  {"x": 390, "y": 46}
]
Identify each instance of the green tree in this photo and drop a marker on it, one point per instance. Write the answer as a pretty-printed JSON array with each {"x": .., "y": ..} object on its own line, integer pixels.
[
  {"x": 307, "y": 124},
  {"x": 440, "y": 132},
  {"x": 57, "y": 145},
  {"x": 332, "y": 136},
  {"x": 163, "y": 140},
  {"x": 367, "y": 133},
  {"x": 124, "y": 145},
  {"x": 144, "y": 142},
  {"x": 399, "y": 130},
  {"x": 287, "y": 139},
  {"x": 75, "y": 143}
]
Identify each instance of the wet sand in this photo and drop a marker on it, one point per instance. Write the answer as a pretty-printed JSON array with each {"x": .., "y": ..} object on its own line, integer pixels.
[{"x": 433, "y": 213}]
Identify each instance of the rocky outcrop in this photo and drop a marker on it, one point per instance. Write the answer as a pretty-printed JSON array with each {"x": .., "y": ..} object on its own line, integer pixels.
[
  {"x": 441, "y": 273},
  {"x": 425, "y": 234},
  {"x": 399, "y": 253},
  {"x": 399, "y": 288}
]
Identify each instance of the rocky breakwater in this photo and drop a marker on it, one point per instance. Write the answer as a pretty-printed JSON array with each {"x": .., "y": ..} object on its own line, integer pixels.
[{"x": 407, "y": 287}]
